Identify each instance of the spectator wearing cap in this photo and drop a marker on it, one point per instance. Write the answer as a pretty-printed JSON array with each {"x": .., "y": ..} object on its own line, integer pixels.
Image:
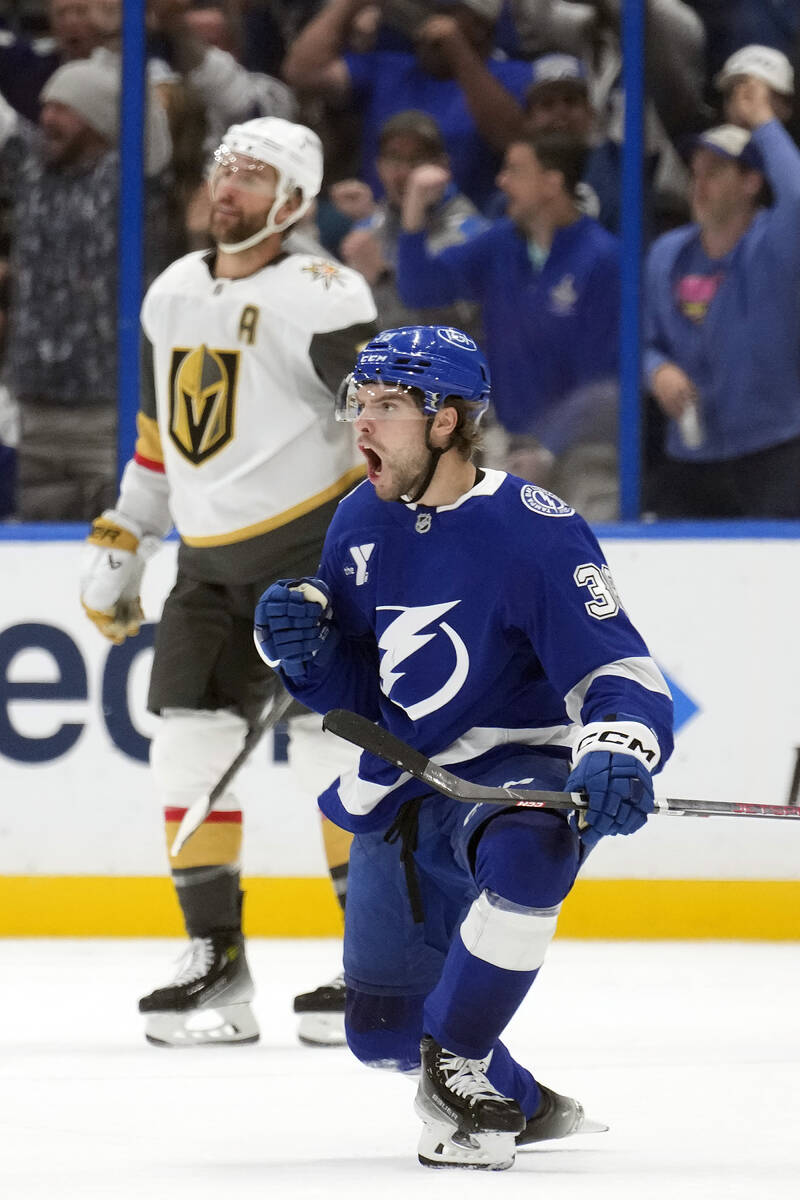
[
  {"x": 759, "y": 62},
  {"x": 558, "y": 101},
  {"x": 674, "y": 104},
  {"x": 61, "y": 347},
  {"x": 408, "y": 140},
  {"x": 722, "y": 313},
  {"x": 547, "y": 280},
  {"x": 436, "y": 78},
  {"x": 199, "y": 43}
]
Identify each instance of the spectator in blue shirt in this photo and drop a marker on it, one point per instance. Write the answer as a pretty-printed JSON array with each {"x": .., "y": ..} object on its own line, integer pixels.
[
  {"x": 433, "y": 78},
  {"x": 547, "y": 280},
  {"x": 408, "y": 140},
  {"x": 722, "y": 352},
  {"x": 558, "y": 102}
]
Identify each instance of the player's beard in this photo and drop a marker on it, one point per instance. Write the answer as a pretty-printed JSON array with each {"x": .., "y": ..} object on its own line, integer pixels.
[
  {"x": 404, "y": 477},
  {"x": 225, "y": 228}
]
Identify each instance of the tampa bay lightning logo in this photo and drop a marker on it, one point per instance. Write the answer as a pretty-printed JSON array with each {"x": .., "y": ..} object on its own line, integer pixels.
[
  {"x": 456, "y": 338},
  {"x": 439, "y": 674},
  {"x": 539, "y": 500}
]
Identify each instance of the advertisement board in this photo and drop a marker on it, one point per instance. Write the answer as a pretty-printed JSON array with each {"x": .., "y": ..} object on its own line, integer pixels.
[{"x": 76, "y": 799}]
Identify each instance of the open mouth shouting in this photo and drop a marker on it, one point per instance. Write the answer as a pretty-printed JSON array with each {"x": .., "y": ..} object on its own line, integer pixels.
[{"x": 374, "y": 462}]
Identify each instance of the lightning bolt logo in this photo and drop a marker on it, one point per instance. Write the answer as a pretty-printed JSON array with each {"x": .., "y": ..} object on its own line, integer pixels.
[{"x": 403, "y": 637}]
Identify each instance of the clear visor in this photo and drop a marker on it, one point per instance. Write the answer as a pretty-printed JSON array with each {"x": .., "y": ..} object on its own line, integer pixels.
[
  {"x": 374, "y": 399},
  {"x": 241, "y": 171}
]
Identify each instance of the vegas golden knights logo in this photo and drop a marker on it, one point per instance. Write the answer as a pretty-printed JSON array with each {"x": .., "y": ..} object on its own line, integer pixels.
[{"x": 202, "y": 400}]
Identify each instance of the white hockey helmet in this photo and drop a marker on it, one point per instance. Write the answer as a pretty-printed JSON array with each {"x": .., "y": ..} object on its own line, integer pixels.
[{"x": 293, "y": 151}]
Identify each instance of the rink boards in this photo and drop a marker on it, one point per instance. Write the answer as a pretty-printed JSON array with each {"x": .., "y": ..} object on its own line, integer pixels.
[{"x": 81, "y": 841}]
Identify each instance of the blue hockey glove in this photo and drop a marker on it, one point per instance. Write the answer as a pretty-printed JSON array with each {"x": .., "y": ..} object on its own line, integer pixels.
[
  {"x": 294, "y": 625},
  {"x": 617, "y": 783}
]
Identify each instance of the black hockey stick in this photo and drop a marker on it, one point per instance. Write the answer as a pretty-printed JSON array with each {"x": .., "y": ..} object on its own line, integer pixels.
[
  {"x": 195, "y": 815},
  {"x": 375, "y": 740}
]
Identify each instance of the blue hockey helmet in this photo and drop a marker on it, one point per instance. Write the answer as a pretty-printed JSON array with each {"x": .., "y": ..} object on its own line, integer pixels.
[{"x": 438, "y": 360}]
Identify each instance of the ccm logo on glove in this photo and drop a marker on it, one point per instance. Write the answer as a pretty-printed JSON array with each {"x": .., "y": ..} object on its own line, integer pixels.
[
  {"x": 611, "y": 767},
  {"x": 623, "y": 737}
]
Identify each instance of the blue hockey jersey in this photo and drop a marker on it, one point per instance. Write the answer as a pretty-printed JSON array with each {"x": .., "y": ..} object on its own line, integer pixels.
[{"x": 473, "y": 631}]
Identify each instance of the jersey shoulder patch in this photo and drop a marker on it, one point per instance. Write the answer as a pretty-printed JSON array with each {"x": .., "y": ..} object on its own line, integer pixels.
[
  {"x": 545, "y": 503},
  {"x": 324, "y": 272},
  {"x": 330, "y": 294}
]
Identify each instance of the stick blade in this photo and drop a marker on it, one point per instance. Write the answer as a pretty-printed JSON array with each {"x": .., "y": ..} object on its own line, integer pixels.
[
  {"x": 191, "y": 821},
  {"x": 382, "y": 744},
  {"x": 377, "y": 741}
]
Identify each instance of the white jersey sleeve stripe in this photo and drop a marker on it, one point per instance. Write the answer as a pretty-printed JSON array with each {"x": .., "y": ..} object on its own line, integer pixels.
[{"x": 640, "y": 670}]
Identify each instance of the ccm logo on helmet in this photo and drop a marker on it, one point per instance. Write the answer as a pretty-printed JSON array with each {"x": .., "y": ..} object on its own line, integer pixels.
[
  {"x": 456, "y": 338},
  {"x": 615, "y": 739},
  {"x": 374, "y": 358}
]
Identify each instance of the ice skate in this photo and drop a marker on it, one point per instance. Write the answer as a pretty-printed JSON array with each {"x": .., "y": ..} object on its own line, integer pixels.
[
  {"x": 208, "y": 1001},
  {"x": 321, "y": 1014},
  {"x": 556, "y": 1117},
  {"x": 465, "y": 1121}
]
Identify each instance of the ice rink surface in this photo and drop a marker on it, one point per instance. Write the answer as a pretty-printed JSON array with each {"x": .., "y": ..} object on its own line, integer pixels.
[{"x": 689, "y": 1051}]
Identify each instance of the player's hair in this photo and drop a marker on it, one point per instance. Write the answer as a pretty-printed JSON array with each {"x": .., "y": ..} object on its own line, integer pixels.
[
  {"x": 467, "y": 437},
  {"x": 559, "y": 152}
]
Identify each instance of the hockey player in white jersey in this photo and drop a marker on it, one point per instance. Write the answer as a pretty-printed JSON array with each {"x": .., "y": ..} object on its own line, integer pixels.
[
  {"x": 472, "y": 614},
  {"x": 237, "y": 446}
]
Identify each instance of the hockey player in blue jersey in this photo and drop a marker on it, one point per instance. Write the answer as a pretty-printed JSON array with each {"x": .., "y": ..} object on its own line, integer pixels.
[{"x": 472, "y": 614}]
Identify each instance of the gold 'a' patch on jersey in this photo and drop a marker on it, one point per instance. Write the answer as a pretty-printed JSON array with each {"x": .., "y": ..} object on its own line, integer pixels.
[{"x": 202, "y": 400}]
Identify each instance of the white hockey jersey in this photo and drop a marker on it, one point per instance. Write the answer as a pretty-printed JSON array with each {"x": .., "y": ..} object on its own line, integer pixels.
[{"x": 242, "y": 418}]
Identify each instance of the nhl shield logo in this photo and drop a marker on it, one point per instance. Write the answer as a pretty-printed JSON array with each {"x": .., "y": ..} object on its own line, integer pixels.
[
  {"x": 424, "y": 521},
  {"x": 202, "y": 399}
]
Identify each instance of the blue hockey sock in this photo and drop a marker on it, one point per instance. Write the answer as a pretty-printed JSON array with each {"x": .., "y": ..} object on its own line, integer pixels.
[
  {"x": 473, "y": 1002},
  {"x": 514, "y": 1080},
  {"x": 384, "y": 1031}
]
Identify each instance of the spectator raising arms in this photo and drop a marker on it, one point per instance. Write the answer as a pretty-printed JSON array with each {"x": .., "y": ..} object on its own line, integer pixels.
[
  {"x": 722, "y": 295},
  {"x": 62, "y": 337},
  {"x": 26, "y": 64},
  {"x": 408, "y": 140},
  {"x": 433, "y": 79},
  {"x": 758, "y": 62}
]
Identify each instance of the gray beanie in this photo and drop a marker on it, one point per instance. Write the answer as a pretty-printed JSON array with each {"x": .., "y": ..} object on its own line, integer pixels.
[{"x": 91, "y": 91}]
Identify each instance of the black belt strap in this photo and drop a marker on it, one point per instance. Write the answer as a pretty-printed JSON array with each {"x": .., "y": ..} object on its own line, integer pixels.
[{"x": 405, "y": 828}]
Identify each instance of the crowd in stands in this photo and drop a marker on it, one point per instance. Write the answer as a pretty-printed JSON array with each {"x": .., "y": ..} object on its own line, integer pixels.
[{"x": 473, "y": 158}]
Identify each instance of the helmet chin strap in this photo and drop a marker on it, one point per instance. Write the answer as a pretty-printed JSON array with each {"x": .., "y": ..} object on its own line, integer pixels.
[
  {"x": 270, "y": 227},
  {"x": 435, "y": 453}
]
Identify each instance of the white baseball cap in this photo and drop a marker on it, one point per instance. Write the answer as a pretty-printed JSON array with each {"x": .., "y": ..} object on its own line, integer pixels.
[
  {"x": 558, "y": 68},
  {"x": 729, "y": 141},
  {"x": 764, "y": 62}
]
